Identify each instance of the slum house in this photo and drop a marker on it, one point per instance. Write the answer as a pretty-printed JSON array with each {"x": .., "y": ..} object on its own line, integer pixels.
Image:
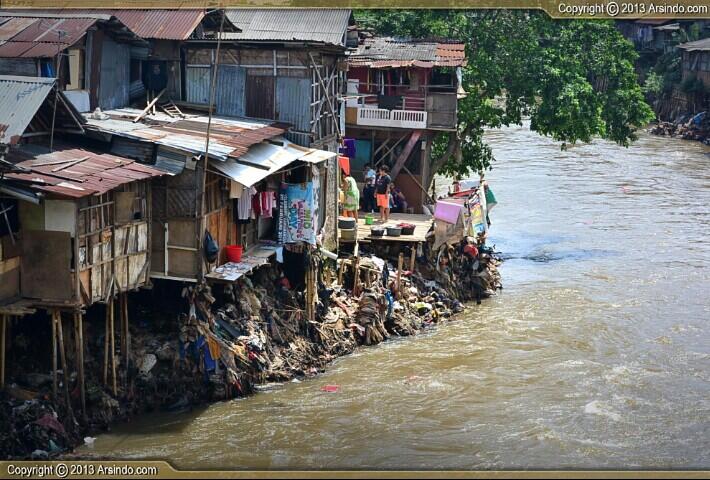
[
  {"x": 79, "y": 228},
  {"x": 89, "y": 53},
  {"x": 156, "y": 67},
  {"x": 235, "y": 193},
  {"x": 402, "y": 93},
  {"x": 696, "y": 60}
]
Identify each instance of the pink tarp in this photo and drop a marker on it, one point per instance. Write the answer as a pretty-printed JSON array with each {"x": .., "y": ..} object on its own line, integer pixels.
[{"x": 448, "y": 211}]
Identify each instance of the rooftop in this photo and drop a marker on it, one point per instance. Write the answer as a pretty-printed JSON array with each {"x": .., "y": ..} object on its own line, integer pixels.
[
  {"x": 326, "y": 25},
  {"x": 28, "y": 99},
  {"x": 74, "y": 172},
  {"x": 389, "y": 52},
  {"x": 44, "y": 35},
  {"x": 696, "y": 46}
]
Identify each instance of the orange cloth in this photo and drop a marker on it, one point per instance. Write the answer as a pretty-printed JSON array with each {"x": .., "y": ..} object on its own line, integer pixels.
[
  {"x": 214, "y": 347},
  {"x": 344, "y": 163},
  {"x": 383, "y": 200}
]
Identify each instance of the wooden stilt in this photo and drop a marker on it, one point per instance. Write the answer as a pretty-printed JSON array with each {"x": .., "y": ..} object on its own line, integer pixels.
[
  {"x": 113, "y": 352},
  {"x": 412, "y": 258},
  {"x": 107, "y": 338},
  {"x": 341, "y": 271},
  {"x": 126, "y": 336},
  {"x": 356, "y": 283},
  {"x": 400, "y": 264},
  {"x": 54, "y": 359},
  {"x": 2, "y": 351},
  {"x": 62, "y": 355},
  {"x": 79, "y": 340}
]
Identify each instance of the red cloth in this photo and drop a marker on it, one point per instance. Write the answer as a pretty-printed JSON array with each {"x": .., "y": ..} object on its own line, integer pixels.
[
  {"x": 344, "y": 163},
  {"x": 256, "y": 205},
  {"x": 471, "y": 250}
]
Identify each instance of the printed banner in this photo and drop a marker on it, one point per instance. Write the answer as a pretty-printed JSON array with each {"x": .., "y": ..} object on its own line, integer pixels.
[{"x": 297, "y": 221}]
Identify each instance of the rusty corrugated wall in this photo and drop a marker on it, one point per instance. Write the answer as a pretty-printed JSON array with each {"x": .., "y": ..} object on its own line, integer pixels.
[{"x": 293, "y": 102}]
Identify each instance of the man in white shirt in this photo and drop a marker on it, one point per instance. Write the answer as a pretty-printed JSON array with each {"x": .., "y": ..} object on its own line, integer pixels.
[{"x": 368, "y": 192}]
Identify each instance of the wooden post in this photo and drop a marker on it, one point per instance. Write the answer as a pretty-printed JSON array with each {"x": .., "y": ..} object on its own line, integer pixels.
[
  {"x": 113, "y": 352},
  {"x": 62, "y": 355},
  {"x": 107, "y": 329},
  {"x": 2, "y": 351},
  {"x": 54, "y": 359},
  {"x": 356, "y": 283},
  {"x": 341, "y": 270},
  {"x": 126, "y": 334},
  {"x": 413, "y": 258},
  {"x": 400, "y": 264},
  {"x": 79, "y": 341}
]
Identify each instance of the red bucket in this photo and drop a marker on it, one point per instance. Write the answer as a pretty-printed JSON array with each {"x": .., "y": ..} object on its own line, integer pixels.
[{"x": 234, "y": 253}]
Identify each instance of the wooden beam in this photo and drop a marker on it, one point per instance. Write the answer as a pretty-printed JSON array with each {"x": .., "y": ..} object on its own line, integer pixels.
[
  {"x": 79, "y": 341},
  {"x": 412, "y": 259},
  {"x": 400, "y": 263},
  {"x": 404, "y": 155},
  {"x": 54, "y": 359},
  {"x": 148, "y": 107},
  {"x": 113, "y": 353},
  {"x": 62, "y": 355},
  {"x": 109, "y": 307}
]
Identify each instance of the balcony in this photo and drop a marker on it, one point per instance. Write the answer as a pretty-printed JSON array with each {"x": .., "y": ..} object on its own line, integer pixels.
[{"x": 380, "y": 117}]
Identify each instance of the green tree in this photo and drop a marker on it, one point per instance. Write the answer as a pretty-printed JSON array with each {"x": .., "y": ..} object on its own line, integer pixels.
[{"x": 575, "y": 80}]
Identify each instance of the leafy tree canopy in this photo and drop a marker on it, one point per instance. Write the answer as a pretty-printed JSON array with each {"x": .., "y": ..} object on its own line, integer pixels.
[{"x": 575, "y": 80}]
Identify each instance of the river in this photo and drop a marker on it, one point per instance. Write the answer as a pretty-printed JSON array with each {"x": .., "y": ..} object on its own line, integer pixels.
[{"x": 595, "y": 355}]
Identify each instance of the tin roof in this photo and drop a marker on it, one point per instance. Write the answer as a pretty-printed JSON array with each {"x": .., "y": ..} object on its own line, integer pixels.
[
  {"x": 75, "y": 172},
  {"x": 42, "y": 34},
  {"x": 163, "y": 24},
  {"x": 24, "y": 98},
  {"x": 698, "y": 45},
  {"x": 389, "y": 52},
  {"x": 321, "y": 25},
  {"x": 266, "y": 158},
  {"x": 229, "y": 137}
]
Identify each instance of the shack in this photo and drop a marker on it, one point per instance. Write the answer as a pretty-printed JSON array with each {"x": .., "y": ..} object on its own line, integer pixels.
[
  {"x": 401, "y": 93},
  {"x": 88, "y": 52},
  {"x": 696, "y": 61},
  {"x": 76, "y": 221},
  {"x": 247, "y": 159}
]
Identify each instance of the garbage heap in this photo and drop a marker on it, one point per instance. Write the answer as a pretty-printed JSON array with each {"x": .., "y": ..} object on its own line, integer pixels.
[{"x": 688, "y": 127}]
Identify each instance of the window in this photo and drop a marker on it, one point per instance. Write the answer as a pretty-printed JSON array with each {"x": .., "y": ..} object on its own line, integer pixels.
[{"x": 76, "y": 69}]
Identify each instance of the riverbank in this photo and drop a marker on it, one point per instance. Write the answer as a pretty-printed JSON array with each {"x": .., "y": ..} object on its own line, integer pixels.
[
  {"x": 689, "y": 127},
  {"x": 229, "y": 338}
]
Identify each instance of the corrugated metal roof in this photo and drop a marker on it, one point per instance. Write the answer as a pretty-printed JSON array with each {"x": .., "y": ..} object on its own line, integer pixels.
[
  {"x": 388, "y": 52},
  {"x": 20, "y": 98},
  {"x": 266, "y": 159},
  {"x": 75, "y": 172},
  {"x": 228, "y": 137},
  {"x": 163, "y": 24},
  {"x": 698, "y": 45},
  {"x": 43, "y": 35},
  {"x": 327, "y": 25}
]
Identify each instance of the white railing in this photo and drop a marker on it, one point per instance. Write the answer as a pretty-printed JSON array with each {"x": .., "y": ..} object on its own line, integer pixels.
[{"x": 380, "y": 117}]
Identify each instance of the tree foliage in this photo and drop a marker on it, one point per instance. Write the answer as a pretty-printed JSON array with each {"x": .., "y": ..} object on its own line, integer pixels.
[{"x": 575, "y": 80}]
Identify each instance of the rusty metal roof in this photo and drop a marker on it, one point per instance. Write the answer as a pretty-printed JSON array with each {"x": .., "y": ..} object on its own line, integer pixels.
[
  {"x": 388, "y": 52},
  {"x": 229, "y": 137},
  {"x": 23, "y": 99},
  {"x": 162, "y": 24},
  {"x": 75, "y": 172},
  {"x": 44, "y": 35},
  {"x": 322, "y": 25}
]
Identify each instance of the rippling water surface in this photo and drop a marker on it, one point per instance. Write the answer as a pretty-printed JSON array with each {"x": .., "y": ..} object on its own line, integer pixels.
[{"x": 596, "y": 354}]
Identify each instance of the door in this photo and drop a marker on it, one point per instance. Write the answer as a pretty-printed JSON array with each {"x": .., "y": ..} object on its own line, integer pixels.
[{"x": 260, "y": 97}]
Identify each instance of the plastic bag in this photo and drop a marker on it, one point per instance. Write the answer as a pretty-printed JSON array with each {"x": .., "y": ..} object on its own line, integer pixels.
[{"x": 211, "y": 247}]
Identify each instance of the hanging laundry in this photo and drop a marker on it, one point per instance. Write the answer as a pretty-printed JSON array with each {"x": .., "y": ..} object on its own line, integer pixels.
[
  {"x": 344, "y": 163},
  {"x": 244, "y": 207},
  {"x": 235, "y": 189},
  {"x": 268, "y": 201}
]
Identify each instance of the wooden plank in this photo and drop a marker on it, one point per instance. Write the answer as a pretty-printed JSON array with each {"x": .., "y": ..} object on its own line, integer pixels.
[
  {"x": 404, "y": 154},
  {"x": 46, "y": 265},
  {"x": 62, "y": 355},
  {"x": 54, "y": 360},
  {"x": 79, "y": 339},
  {"x": 149, "y": 106}
]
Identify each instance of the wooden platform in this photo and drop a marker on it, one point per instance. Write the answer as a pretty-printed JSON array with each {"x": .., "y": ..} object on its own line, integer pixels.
[
  {"x": 421, "y": 221},
  {"x": 252, "y": 259}
]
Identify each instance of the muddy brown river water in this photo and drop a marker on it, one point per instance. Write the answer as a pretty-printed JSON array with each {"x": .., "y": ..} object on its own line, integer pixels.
[{"x": 596, "y": 354}]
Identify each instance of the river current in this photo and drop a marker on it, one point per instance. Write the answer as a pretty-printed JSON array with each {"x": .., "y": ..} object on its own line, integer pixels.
[{"x": 595, "y": 355}]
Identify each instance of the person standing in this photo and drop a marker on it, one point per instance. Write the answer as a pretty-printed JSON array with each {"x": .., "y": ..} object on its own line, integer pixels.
[
  {"x": 352, "y": 197},
  {"x": 382, "y": 190},
  {"x": 368, "y": 192}
]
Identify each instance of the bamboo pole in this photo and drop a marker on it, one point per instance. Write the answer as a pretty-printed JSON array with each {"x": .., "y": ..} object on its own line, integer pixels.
[
  {"x": 109, "y": 307},
  {"x": 412, "y": 259},
  {"x": 356, "y": 283},
  {"x": 79, "y": 341},
  {"x": 400, "y": 264},
  {"x": 113, "y": 352},
  {"x": 62, "y": 355},
  {"x": 126, "y": 333},
  {"x": 54, "y": 359}
]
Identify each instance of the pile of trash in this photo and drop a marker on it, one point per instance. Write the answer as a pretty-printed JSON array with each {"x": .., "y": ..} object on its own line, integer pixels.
[
  {"x": 32, "y": 428},
  {"x": 689, "y": 127}
]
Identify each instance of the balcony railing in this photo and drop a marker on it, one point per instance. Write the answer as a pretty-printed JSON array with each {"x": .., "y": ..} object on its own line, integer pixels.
[{"x": 380, "y": 117}]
